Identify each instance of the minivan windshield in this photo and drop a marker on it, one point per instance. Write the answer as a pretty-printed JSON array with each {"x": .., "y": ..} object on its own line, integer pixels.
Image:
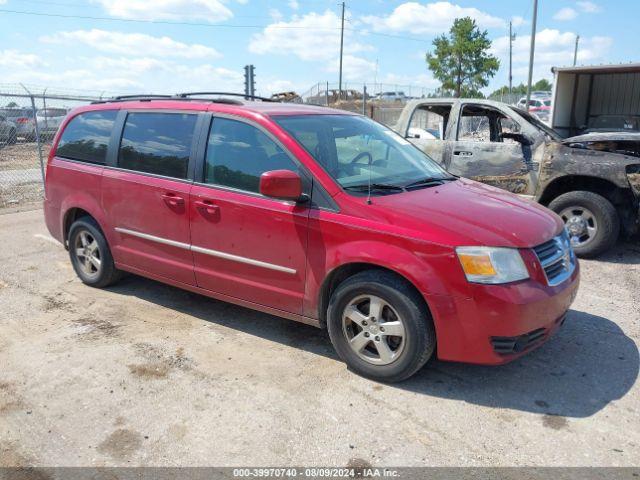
[{"x": 357, "y": 151}]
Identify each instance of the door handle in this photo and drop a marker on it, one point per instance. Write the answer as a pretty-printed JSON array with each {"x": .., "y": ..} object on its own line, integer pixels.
[
  {"x": 463, "y": 153},
  {"x": 207, "y": 206},
  {"x": 172, "y": 199}
]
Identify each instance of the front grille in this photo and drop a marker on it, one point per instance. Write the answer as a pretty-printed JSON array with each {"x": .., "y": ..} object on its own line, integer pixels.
[
  {"x": 557, "y": 259},
  {"x": 509, "y": 345}
]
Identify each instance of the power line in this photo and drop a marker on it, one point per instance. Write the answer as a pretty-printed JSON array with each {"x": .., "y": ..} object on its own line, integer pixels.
[{"x": 208, "y": 25}]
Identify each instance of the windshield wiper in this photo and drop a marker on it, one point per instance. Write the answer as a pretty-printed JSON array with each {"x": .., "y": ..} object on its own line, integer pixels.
[
  {"x": 428, "y": 181},
  {"x": 375, "y": 186}
]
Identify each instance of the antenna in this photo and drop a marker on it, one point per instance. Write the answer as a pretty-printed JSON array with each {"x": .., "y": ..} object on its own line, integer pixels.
[{"x": 369, "y": 186}]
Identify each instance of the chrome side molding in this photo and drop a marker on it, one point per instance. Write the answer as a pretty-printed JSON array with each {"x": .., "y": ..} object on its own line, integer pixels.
[{"x": 206, "y": 251}]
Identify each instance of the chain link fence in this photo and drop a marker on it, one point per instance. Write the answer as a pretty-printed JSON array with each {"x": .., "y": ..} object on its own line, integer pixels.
[
  {"x": 381, "y": 101},
  {"x": 28, "y": 121}
]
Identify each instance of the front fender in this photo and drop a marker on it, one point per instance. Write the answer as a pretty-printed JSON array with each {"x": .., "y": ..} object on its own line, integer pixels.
[{"x": 416, "y": 266}]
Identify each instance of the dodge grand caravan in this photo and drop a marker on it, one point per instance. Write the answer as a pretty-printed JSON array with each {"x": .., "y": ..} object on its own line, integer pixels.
[{"x": 313, "y": 214}]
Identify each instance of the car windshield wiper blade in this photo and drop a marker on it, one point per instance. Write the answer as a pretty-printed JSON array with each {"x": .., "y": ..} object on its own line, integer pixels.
[
  {"x": 423, "y": 182},
  {"x": 375, "y": 186}
]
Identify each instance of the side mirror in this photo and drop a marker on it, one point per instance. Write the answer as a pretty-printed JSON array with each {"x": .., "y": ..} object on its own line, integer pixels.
[{"x": 282, "y": 184}]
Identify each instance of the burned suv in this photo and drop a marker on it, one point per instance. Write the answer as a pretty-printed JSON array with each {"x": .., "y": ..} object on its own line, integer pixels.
[{"x": 593, "y": 185}]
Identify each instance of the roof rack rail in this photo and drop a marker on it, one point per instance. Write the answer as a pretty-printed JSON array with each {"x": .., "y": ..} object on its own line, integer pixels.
[
  {"x": 229, "y": 94},
  {"x": 139, "y": 96},
  {"x": 186, "y": 97}
]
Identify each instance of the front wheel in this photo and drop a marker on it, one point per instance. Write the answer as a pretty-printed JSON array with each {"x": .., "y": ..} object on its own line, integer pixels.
[
  {"x": 90, "y": 254},
  {"x": 380, "y": 326},
  {"x": 591, "y": 220}
]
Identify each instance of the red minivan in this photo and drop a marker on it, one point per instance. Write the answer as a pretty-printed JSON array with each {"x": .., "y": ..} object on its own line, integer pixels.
[{"x": 313, "y": 214}]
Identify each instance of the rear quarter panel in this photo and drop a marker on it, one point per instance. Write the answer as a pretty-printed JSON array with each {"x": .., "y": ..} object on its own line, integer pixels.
[{"x": 70, "y": 185}]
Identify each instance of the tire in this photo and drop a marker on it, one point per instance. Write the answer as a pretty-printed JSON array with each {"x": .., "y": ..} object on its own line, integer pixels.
[
  {"x": 98, "y": 270},
  {"x": 402, "y": 304},
  {"x": 12, "y": 138},
  {"x": 605, "y": 221}
]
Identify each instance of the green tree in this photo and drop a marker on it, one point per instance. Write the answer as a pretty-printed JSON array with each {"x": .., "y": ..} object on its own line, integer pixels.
[
  {"x": 461, "y": 61},
  {"x": 542, "y": 85}
]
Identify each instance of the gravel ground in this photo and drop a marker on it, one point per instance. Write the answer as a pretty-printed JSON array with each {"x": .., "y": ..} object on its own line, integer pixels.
[
  {"x": 20, "y": 176},
  {"x": 146, "y": 374}
]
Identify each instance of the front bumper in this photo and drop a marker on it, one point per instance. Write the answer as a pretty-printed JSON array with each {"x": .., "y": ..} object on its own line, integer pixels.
[{"x": 500, "y": 323}]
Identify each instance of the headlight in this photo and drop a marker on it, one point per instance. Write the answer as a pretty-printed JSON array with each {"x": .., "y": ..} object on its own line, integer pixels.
[{"x": 492, "y": 264}]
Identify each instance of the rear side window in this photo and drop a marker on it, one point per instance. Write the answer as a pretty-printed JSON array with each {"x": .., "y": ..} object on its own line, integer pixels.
[
  {"x": 238, "y": 153},
  {"x": 86, "y": 136},
  {"x": 158, "y": 143}
]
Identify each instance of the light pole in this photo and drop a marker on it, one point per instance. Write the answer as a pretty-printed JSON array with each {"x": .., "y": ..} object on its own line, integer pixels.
[
  {"x": 533, "y": 49},
  {"x": 341, "y": 48}
]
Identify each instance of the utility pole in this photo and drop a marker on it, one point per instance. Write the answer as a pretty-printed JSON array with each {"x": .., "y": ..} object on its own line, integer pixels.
[
  {"x": 341, "y": 48},
  {"x": 533, "y": 49},
  {"x": 512, "y": 38},
  {"x": 575, "y": 52}
]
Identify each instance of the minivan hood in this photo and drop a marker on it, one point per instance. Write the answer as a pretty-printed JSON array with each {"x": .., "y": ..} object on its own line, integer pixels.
[{"x": 465, "y": 212}]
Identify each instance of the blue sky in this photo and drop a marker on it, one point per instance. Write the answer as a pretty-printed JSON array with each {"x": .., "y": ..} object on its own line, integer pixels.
[{"x": 167, "y": 46}]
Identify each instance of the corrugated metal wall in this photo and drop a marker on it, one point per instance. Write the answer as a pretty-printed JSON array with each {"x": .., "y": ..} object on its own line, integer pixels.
[
  {"x": 616, "y": 93},
  {"x": 584, "y": 95}
]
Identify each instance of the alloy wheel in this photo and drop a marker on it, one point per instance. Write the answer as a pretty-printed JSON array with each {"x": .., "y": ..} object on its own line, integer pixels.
[
  {"x": 374, "y": 330},
  {"x": 88, "y": 254}
]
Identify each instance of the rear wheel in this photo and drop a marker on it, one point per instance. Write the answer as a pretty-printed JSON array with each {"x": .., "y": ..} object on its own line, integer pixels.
[
  {"x": 380, "y": 326},
  {"x": 90, "y": 254},
  {"x": 13, "y": 137},
  {"x": 591, "y": 220}
]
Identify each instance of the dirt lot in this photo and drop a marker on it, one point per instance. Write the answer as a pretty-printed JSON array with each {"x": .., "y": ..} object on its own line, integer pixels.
[{"x": 146, "y": 374}]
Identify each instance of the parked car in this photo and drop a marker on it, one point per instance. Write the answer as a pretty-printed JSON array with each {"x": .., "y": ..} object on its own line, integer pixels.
[
  {"x": 7, "y": 131},
  {"x": 540, "y": 107},
  {"x": 596, "y": 191},
  {"x": 49, "y": 120},
  {"x": 23, "y": 120},
  {"x": 313, "y": 214}
]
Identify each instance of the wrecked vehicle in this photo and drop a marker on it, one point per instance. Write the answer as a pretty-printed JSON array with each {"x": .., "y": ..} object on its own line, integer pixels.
[{"x": 595, "y": 188}]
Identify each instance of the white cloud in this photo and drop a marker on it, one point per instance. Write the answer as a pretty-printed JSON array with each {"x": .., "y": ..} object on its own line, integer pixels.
[
  {"x": 277, "y": 86},
  {"x": 589, "y": 7},
  {"x": 313, "y": 36},
  {"x": 293, "y": 4},
  {"x": 208, "y": 10},
  {"x": 137, "y": 66},
  {"x": 127, "y": 75},
  {"x": 353, "y": 68},
  {"x": 434, "y": 17},
  {"x": 15, "y": 59},
  {"x": 553, "y": 48},
  {"x": 275, "y": 14},
  {"x": 135, "y": 44},
  {"x": 518, "y": 21},
  {"x": 564, "y": 14}
]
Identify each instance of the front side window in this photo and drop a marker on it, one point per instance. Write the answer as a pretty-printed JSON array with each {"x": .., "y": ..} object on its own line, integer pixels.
[
  {"x": 355, "y": 149},
  {"x": 158, "y": 143},
  {"x": 87, "y": 135},
  {"x": 429, "y": 122},
  {"x": 474, "y": 126},
  {"x": 239, "y": 153}
]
